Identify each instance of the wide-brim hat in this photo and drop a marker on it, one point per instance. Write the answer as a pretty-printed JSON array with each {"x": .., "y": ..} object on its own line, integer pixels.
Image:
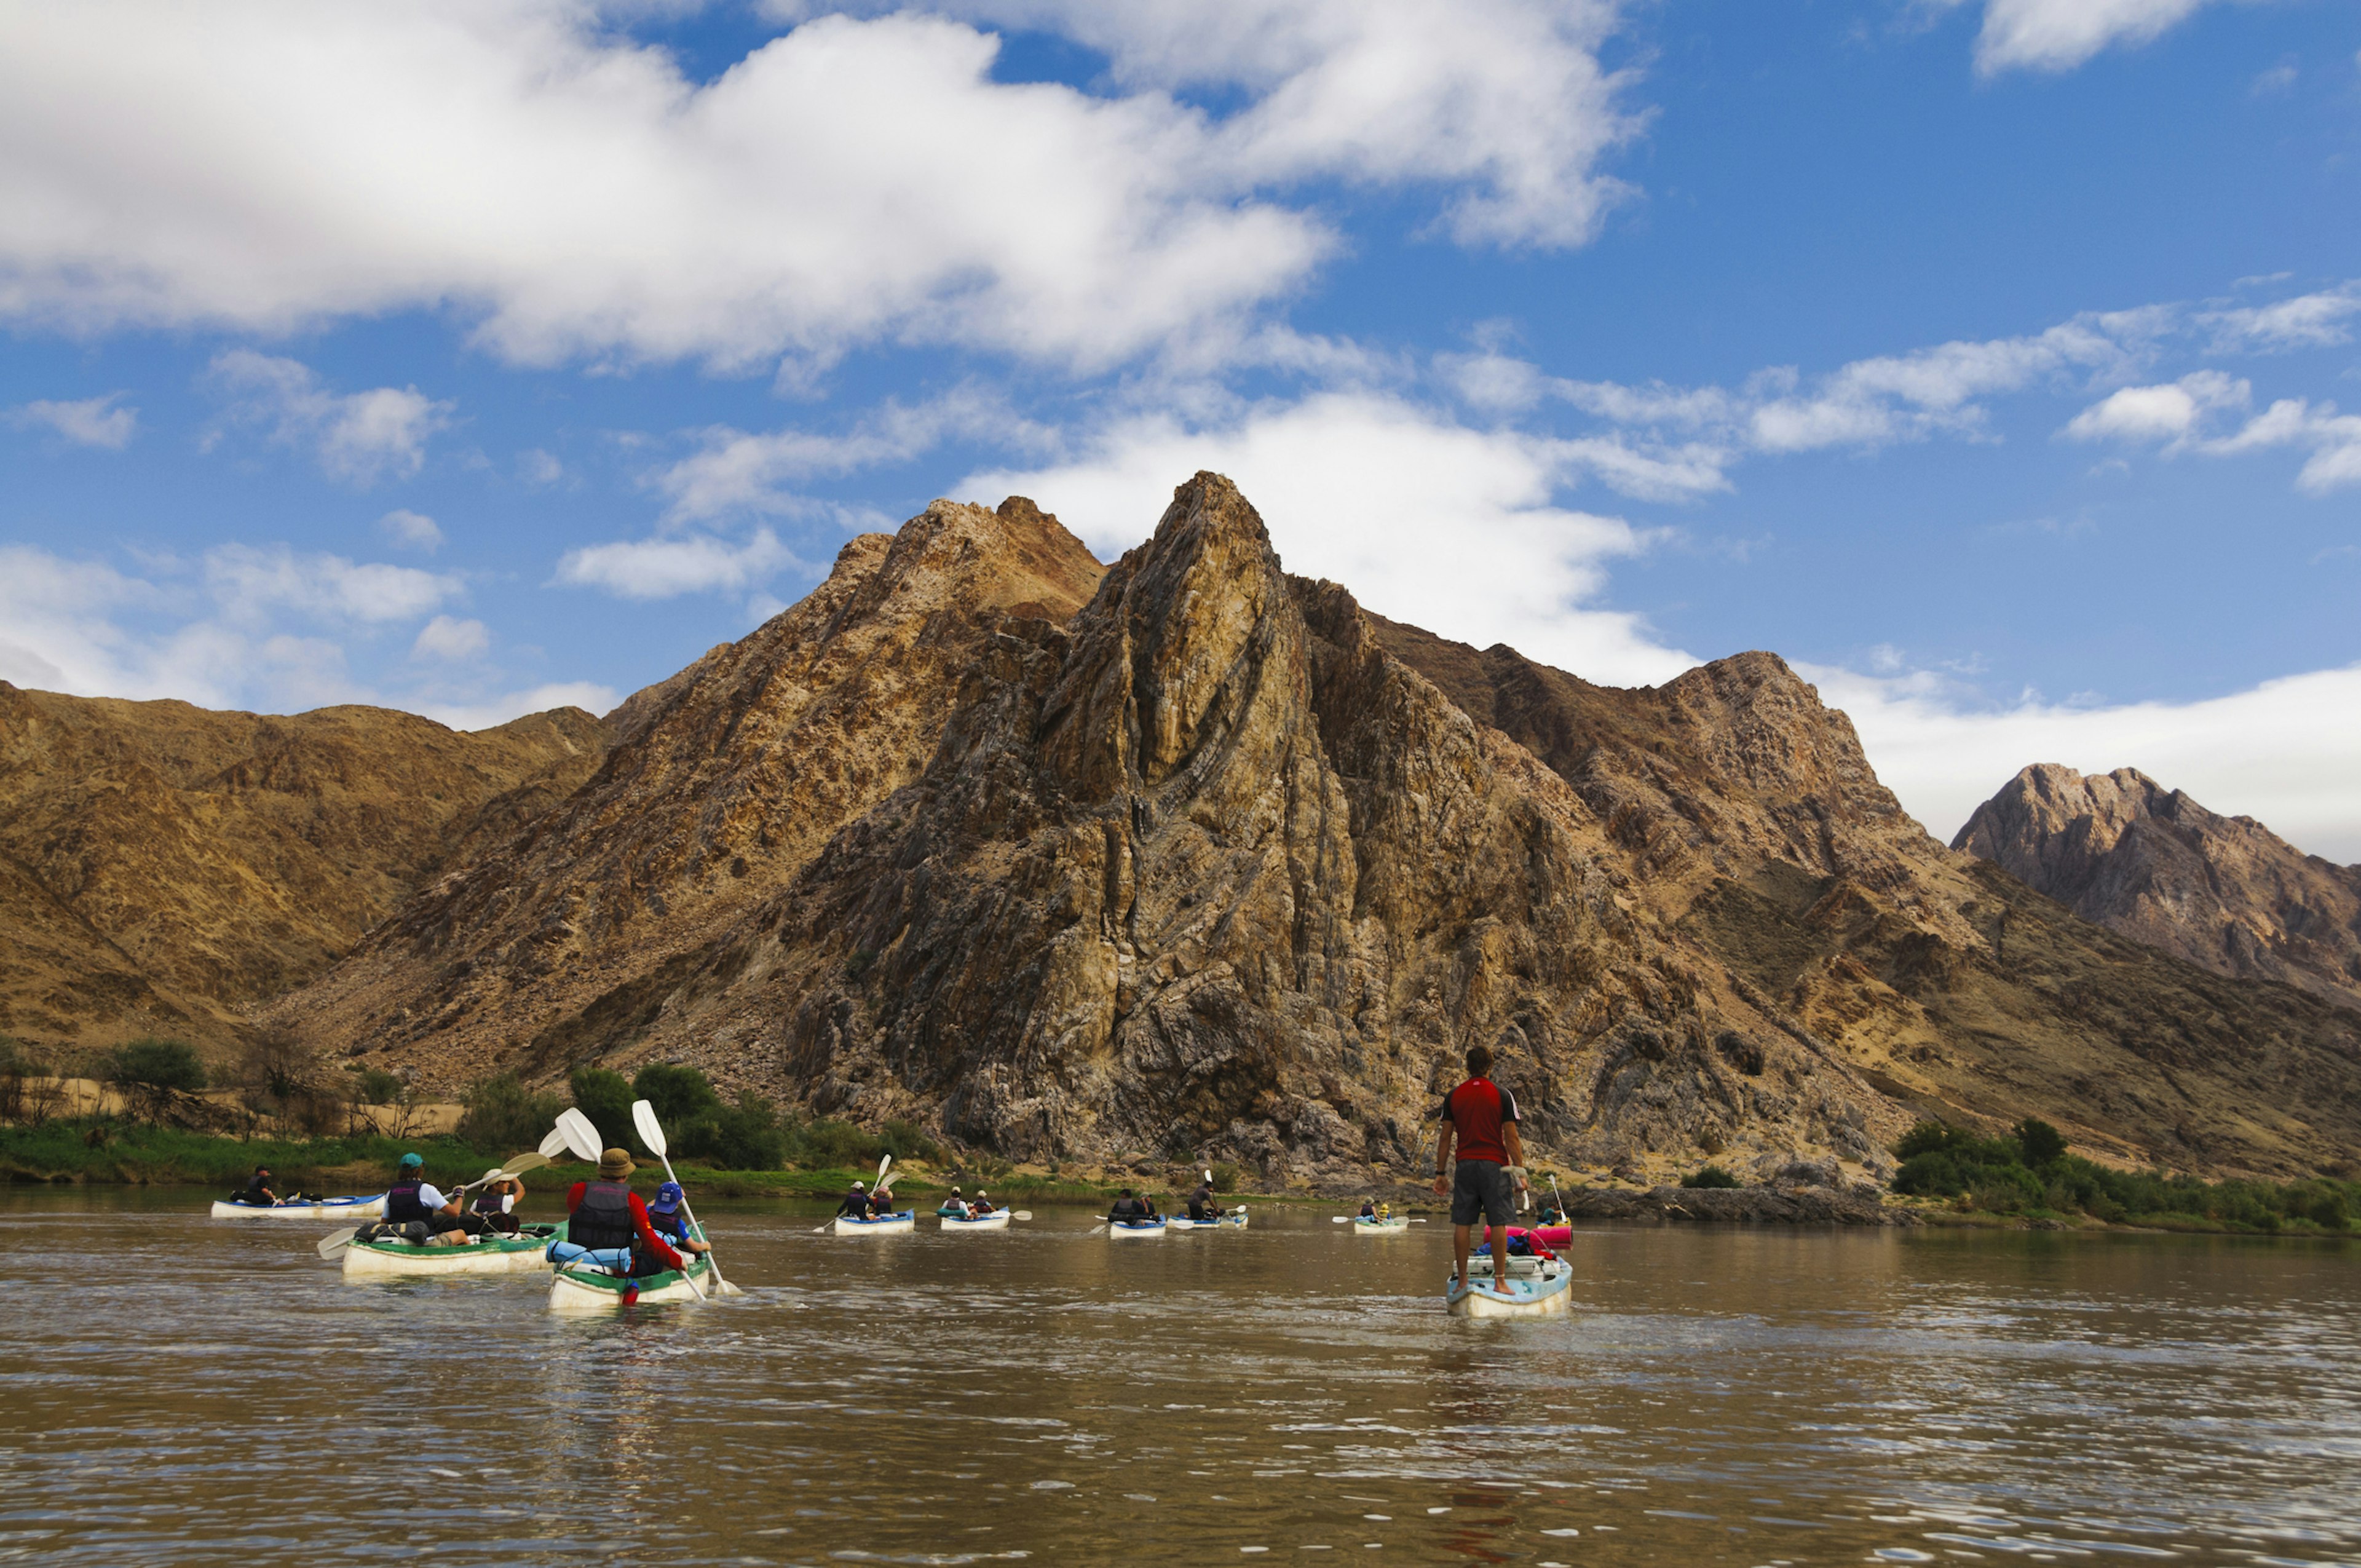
[{"x": 615, "y": 1164}]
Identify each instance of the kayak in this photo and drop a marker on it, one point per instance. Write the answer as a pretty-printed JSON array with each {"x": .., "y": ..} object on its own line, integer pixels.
[
  {"x": 1235, "y": 1220},
  {"x": 1544, "y": 1288},
  {"x": 884, "y": 1225},
  {"x": 368, "y": 1208},
  {"x": 582, "y": 1286},
  {"x": 1548, "y": 1235},
  {"x": 995, "y": 1221},
  {"x": 1380, "y": 1227},
  {"x": 524, "y": 1253},
  {"x": 1143, "y": 1229}
]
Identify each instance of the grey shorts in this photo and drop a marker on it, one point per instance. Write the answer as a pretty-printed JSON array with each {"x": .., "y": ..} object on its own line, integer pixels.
[{"x": 1482, "y": 1187}]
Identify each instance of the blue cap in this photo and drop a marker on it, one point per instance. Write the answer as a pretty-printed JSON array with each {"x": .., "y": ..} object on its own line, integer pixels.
[
  {"x": 412, "y": 1162},
  {"x": 668, "y": 1198}
]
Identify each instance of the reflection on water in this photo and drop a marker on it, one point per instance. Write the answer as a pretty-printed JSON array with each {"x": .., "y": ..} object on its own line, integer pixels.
[{"x": 189, "y": 1391}]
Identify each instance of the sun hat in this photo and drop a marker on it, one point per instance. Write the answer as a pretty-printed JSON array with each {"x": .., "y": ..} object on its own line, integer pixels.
[
  {"x": 668, "y": 1198},
  {"x": 858, "y": 1186},
  {"x": 615, "y": 1164}
]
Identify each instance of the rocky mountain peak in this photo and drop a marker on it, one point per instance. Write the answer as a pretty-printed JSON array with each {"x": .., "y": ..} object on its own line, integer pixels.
[{"x": 2221, "y": 892}]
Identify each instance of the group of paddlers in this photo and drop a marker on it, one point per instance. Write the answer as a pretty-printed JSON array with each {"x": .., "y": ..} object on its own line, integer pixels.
[{"x": 1133, "y": 1208}]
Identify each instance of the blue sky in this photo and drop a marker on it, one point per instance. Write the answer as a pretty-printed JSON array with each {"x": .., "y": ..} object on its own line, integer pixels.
[{"x": 1986, "y": 358}]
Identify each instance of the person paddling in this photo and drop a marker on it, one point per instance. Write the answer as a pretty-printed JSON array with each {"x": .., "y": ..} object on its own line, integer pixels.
[
  {"x": 1369, "y": 1208},
  {"x": 495, "y": 1205},
  {"x": 855, "y": 1203},
  {"x": 666, "y": 1220},
  {"x": 1202, "y": 1206},
  {"x": 1129, "y": 1210},
  {"x": 881, "y": 1203},
  {"x": 1481, "y": 1117},
  {"x": 257, "y": 1189},
  {"x": 980, "y": 1207},
  {"x": 607, "y": 1216}
]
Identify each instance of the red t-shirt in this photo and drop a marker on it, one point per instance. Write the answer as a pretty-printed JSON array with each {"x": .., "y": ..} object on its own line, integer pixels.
[{"x": 1480, "y": 1108}]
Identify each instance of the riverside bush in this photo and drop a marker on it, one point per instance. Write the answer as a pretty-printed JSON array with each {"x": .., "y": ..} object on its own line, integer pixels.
[
  {"x": 2032, "y": 1170},
  {"x": 1709, "y": 1176},
  {"x": 502, "y": 1113}
]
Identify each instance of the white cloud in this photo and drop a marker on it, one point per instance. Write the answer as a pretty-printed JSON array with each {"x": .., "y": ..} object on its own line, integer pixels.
[
  {"x": 249, "y": 582},
  {"x": 2287, "y": 752},
  {"x": 444, "y": 638},
  {"x": 1424, "y": 520},
  {"x": 2170, "y": 412},
  {"x": 267, "y": 164},
  {"x": 411, "y": 529},
  {"x": 2176, "y": 414},
  {"x": 2308, "y": 321},
  {"x": 741, "y": 472},
  {"x": 1506, "y": 101},
  {"x": 90, "y": 422},
  {"x": 358, "y": 437},
  {"x": 2058, "y": 35},
  {"x": 535, "y": 466},
  {"x": 667, "y": 567}
]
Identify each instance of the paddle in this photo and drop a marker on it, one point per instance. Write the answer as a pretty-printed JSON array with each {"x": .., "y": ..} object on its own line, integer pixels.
[
  {"x": 554, "y": 1145},
  {"x": 335, "y": 1242},
  {"x": 1023, "y": 1214},
  {"x": 651, "y": 1132},
  {"x": 581, "y": 1136}
]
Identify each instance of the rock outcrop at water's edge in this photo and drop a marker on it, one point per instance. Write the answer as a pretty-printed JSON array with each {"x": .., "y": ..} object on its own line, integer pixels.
[
  {"x": 1219, "y": 865},
  {"x": 2224, "y": 893}
]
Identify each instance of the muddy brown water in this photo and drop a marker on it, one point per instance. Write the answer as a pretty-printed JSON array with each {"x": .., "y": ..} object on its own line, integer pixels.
[{"x": 186, "y": 1391}]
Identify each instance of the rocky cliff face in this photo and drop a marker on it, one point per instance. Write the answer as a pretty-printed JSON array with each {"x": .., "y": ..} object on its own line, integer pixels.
[
  {"x": 1219, "y": 864},
  {"x": 724, "y": 781},
  {"x": 162, "y": 868},
  {"x": 2223, "y": 893}
]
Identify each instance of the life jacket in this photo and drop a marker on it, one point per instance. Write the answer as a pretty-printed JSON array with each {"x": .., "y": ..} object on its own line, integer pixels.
[
  {"x": 603, "y": 1218},
  {"x": 489, "y": 1202},
  {"x": 672, "y": 1226},
  {"x": 403, "y": 1203}
]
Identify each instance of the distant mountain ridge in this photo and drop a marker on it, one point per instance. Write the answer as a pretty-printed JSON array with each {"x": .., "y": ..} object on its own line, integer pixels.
[{"x": 2223, "y": 893}]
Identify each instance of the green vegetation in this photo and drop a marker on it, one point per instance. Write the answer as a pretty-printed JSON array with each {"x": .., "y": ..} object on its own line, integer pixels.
[
  {"x": 156, "y": 1077},
  {"x": 1225, "y": 1176},
  {"x": 502, "y": 1113},
  {"x": 2030, "y": 1172},
  {"x": 1709, "y": 1176},
  {"x": 95, "y": 1148},
  {"x": 606, "y": 1097}
]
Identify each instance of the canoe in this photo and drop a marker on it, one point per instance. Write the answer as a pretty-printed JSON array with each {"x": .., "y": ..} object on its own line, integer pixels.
[
  {"x": 345, "y": 1209},
  {"x": 1380, "y": 1227},
  {"x": 1235, "y": 1220},
  {"x": 995, "y": 1221},
  {"x": 527, "y": 1252},
  {"x": 1545, "y": 1290},
  {"x": 581, "y": 1287},
  {"x": 884, "y": 1225},
  {"x": 1127, "y": 1229}
]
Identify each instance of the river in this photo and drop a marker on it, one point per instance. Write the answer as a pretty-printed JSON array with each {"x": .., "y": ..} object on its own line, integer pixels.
[{"x": 187, "y": 1391}]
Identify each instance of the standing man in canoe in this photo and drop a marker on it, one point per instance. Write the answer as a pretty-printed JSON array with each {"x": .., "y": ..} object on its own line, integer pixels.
[
  {"x": 606, "y": 1215},
  {"x": 1480, "y": 1117},
  {"x": 1201, "y": 1205}
]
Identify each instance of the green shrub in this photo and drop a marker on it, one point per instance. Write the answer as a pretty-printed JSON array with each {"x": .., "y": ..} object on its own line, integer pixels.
[
  {"x": 743, "y": 1136},
  {"x": 502, "y": 1113},
  {"x": 679, "y": 1095},
  {"x": 606, "y": 1099},
  {"x": 908, "y": 1140},
  {"x": 1709, "y": 1176},
  {"x": 375, "y": 1085},
  {"x": 1930, "y": 1173},
  {"x": 1225, "y": 1176},
  {"x": 2039, "y": 1142},
  {"x": 824, "y": 1144},
  {"x": 1929, "y": 1137},
  {"x": 156, "y": 1076}
]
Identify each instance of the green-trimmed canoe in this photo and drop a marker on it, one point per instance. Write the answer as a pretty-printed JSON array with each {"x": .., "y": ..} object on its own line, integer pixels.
[
  {"x": 579, "y": 1288},
  {"x": 525, "y": 1252}
]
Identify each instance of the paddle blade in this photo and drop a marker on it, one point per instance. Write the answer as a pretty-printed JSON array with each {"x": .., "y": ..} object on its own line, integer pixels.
[
  {"x": 335, "y": 1242},
  {"x": 1209, "y": 1179},
  {"x": 881, "y": 1170},
  {"x": 1340, "y": 1219},
  {"x": 518, "y": 1165},
  {"x": 554, "y": 1145},
  {"x": 581, "y": 1137},
  {"x": 643, "y": 1117},
  {"x": 1024, "y": 1216}
]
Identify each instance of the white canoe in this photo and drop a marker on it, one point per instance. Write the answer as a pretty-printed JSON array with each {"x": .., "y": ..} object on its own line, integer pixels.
[
  {"x": 995, "y": 1221},
  {"x": 1236, "y": 1220},
  {"x": 886, "y": 1225},
  {"x": 487, "y": 1254},
  {"x": 1380, "y": 1227},
  {"x": 1544, "y": 1290},
  {"x": 1120, "y": 1230},
  {"x": 578, "y": 1288},
  {"x": 347, "y": 1208}
]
